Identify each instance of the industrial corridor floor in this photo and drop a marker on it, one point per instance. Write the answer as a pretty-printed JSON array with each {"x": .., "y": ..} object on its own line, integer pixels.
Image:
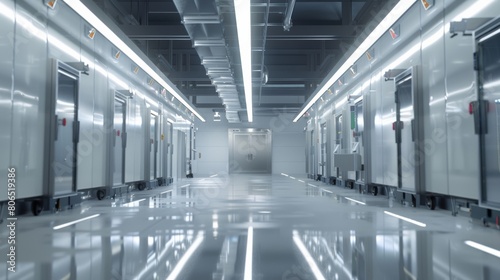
[{"x": 250, "y": 227}]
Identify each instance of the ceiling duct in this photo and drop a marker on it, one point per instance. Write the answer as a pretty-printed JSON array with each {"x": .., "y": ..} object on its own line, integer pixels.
[{"x": 202, "y": 21}]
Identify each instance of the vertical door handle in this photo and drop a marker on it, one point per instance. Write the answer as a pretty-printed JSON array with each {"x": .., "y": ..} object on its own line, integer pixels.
[
  {"x": 56, "y": 124},
  {"x": 76, "y": 131},
  {"x": 397, "y": 126},
  {"x": 479, "y": 109},
  {"x": 413, "y": 130},
  {"x": 124, "y": 139}
]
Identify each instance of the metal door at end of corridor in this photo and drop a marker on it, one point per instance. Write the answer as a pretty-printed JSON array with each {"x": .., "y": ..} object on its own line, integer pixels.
[{"x": 250, "y": 151}]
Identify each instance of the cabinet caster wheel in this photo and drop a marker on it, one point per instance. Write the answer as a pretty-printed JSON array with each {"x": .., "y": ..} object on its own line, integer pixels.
[
  {"x": 36, "y": 207},
  {"x": 100, "y": 194},
  {"x": 431, "y": 202},
  {"x": 413, "y": 201},
  {"x": 374, "y": 191},
  {"x": 141, "y": 186}
]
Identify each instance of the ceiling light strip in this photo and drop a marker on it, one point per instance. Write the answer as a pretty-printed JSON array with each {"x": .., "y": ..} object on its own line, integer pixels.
[
  {"x": 84, "y": 12},
  {"x": 399, "y": 10},
  {"x": 243, "y": 25}
]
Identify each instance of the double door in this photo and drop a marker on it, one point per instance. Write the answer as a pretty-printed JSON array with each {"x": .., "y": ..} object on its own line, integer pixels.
[{"x": 250, "y": 151}]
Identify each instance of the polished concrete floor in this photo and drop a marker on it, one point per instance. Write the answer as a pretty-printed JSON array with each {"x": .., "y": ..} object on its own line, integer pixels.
[{"x": 251, "y": 227}]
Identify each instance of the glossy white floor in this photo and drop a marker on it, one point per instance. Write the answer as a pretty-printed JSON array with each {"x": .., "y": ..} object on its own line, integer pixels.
[{"x": 258, "y": 226}]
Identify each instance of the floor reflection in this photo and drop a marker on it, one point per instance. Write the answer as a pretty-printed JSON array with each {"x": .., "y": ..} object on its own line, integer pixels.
[{"x": 203, "y": 230}]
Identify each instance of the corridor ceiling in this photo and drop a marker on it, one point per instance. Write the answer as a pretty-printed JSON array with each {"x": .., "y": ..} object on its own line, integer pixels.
[{"x": 194, "y": 42}]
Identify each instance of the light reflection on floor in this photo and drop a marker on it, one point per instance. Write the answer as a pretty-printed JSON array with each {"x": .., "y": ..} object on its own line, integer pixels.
[{"x": 301, "y": 229}]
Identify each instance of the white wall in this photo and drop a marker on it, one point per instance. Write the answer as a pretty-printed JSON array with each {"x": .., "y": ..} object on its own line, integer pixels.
[{"x": 212, "y": 142}]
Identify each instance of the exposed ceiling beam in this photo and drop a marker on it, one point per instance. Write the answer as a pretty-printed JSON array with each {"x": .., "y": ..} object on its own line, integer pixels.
[
  {"x": 347, "y": 12},
  {"x": 276, "y": 76},
  {"x": 265, "y": 92},
  {"x": 156, "y": 32},
  {"x": 301, "y": 32}
]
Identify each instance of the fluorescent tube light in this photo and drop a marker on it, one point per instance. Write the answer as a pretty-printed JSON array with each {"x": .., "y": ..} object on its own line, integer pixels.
[
  {"x": 325, "y": 190},
  {"x": 249, "y": 254},
  {"x": 75, "y": 222},
  {"x": 401, "y": 7},
  {"x": 243, "y": 25},
  {"x": 406, "y": 219},
  {"x": 100, "y": 26}
]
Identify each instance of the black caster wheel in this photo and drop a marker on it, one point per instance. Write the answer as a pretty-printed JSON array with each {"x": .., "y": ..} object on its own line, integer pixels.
[
  {"x": 36, "y": 207},
  {"x": 141, "y": 187},
  {"x": 351, "y": 186},
  {"x": 374, "y": 191},
  {"x": 413, "y": 201},
  {"x": 431, "y": 202},
  {"x": 100, "y": 194}
]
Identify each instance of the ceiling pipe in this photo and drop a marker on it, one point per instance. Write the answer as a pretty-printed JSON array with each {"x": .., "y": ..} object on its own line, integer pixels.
[{"x": 287, "y": 22}]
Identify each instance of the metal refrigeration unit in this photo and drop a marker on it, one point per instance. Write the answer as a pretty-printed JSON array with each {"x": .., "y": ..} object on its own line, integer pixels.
[
  {"x": 409, "y": 132},
  {"x": 357, "y": 147},
  {"x": 346, "y": 157},
  {"x": 64, "y": 126},
  {"x": 151, "y": 166},
  {"x": 486, "y": 113},
  {"x": 338, "y": 147}
]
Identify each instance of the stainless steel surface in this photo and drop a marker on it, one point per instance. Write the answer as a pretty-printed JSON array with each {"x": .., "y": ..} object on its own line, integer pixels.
[
  {"x": 488, "y": 40},
  {"x": 201, "y": 230},
  {"x": 324, "y": 154},
  {"x": 119, "y": 138},
  {"x": 434, "y": 93},
  {"x": 6, "y": 69},
  {"x": 250, "y": 151},
  {"x": 29, "y": 97},
  {"x": 170, "y": 163},
  {"x": 179, "y": 156},
  {"x": 347, "y": 162},
  {"x": 66, "y": 132},
  {"x": 359, "y": 144},
  {"x": 153, "y": 145},
  {"x": 408, "y": 156}
]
